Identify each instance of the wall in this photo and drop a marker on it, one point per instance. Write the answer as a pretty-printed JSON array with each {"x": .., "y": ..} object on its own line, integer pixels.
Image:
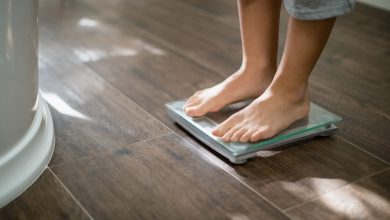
[{"x": 383, "y": 4}]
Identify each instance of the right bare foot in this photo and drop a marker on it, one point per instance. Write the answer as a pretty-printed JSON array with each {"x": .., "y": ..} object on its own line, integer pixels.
[{"x": 241, "y": 85}]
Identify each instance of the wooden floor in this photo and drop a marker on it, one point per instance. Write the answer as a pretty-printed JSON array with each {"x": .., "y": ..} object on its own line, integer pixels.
[{"x": 108, "y": 67}]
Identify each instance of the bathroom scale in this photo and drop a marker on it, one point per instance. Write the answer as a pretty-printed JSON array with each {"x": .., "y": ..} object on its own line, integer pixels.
[{"x": 319, "y": 122}]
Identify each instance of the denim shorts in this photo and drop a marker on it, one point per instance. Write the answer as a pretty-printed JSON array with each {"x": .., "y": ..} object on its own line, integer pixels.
[{"x": 318, "y": 9}]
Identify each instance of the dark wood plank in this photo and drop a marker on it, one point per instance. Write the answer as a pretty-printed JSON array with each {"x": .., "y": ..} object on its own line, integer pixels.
[
  {"x": 371, "y": 19},
  {"x": 372, "y": 12},
  {"x": 351, "y": 79},
  {"x": 52, "y": 51},
  {"x": 355, "y": 66},
  {"x": 332, "y": 156},
  {"x": 181, "y": 27},
  {"x": 365, "y": 199},
  {"x": 161, "y": 178},
  {"x": 164, "y": 67},
  {"x": 151, "y": 79},
  {"x": 288, "y": 177},
  {"x": 225, "y": 12},
  {"x": 89, "y": 115},
  {"x": 45, "y": 199}
]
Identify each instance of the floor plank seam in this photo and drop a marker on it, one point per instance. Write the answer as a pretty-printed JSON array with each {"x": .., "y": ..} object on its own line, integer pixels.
[
  {"x": 238, "y": 179},
  {"x": 151, "y": 36},
  {"x": 107, "y": 150},
  {"x": 246, "y": 185},
  {"x": 70, "y": 194},
  {"x": 165, "y": 44},
  {"x": 118, "y": 91},
  {"x": 235, "y": 177},
  {"x": 333, "y": 178},
  {"x": 173, "y": 132},
  {"x": 338, "y": 188},
  {"x": 365, "y": 151},
  {"x": 125, "y": 96}
]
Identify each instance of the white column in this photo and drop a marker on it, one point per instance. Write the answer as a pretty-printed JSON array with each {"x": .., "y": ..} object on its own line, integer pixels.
[{"x": 26, "y": 129}]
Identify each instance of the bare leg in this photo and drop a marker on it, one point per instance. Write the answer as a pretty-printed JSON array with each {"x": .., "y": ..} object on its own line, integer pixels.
[
  {"x": 286, "y": 99},
  {"x": 259, "y": 22}
]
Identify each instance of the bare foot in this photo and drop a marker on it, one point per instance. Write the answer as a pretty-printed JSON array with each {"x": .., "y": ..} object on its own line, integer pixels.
[
  {"x": 241, "y": 85},
  {"x": 265, "y": 117}
]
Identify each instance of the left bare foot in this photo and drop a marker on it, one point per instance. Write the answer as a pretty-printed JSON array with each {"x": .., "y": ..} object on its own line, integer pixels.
[{"x": 265, "y": 117}]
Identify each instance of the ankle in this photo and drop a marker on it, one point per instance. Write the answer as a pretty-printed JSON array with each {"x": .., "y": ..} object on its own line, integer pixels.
[
  {"x": 256, "y": 69},
  {"x": 294, "y": 94}
]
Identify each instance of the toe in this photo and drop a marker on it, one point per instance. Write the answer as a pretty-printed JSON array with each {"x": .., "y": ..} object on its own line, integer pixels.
[
  {"x": 236, "y": 136},
  {"x": 195, "y": 111},
  {"x": 198, "y": 92},
  {"x": 192, "y": 103},
  {"x": 195, "y": 95},
  {"x": 246, "y": 136},
  {"x": 228, "y": 135},
  {"x": 261, "y": 135},
  {"x": 222, "y": 128},
  {"x": 192, "y": 98}
]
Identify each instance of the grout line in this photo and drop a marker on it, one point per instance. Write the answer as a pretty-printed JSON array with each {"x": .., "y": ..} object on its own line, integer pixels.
[
  {"x": 71, "y": 195},
  {"x": 339, "y": 188},
  {"x": 106, "y": 150},
  {"x": 145, "y": 32},
  {"x": 172, "y": 50},
  {"x": 231, "y": 174},
  {"x": 173, "y": 132},
  {"x": 96, "y": 74},
  {"x": 151, "y": 37},
  {"x": 365, "y": 151},
  {"x": 235, "y": 177}
]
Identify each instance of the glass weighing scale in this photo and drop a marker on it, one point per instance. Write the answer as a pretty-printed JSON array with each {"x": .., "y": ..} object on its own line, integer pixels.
[{"x": 319, "y": 122}]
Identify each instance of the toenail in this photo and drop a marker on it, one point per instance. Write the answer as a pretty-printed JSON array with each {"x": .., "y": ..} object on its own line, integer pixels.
[{"x": 216, "y": 133}]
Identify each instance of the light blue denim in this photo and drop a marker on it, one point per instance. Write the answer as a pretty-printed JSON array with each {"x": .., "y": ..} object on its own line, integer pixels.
[{"x": 318, "y": 9}]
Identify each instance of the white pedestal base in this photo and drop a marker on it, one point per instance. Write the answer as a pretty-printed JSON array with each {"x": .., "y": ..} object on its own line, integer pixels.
[{"x": 21, "y": 166}]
